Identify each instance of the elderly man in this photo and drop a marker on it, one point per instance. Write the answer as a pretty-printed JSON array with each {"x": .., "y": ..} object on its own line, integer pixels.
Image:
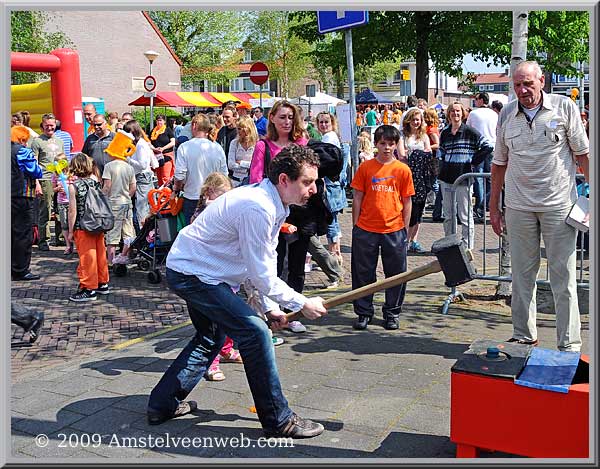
[
  {"x": 235, "y": 239},
  {"x": 540, "y": 141},
  {"x": 45, "y": 148},
  {"x": 96, "y": 143}
]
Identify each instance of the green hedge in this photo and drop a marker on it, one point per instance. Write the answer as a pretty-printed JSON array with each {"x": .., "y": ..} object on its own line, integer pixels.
[{"x": 144, "y": 117}]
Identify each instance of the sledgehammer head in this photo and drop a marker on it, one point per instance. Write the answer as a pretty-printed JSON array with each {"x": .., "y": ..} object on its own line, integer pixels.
[{"x": 455, "y": 260}]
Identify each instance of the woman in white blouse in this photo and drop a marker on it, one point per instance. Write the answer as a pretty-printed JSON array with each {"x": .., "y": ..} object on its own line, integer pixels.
[
  {"x": 141, "y": 163},
  {"x": 241, "y": 150}
]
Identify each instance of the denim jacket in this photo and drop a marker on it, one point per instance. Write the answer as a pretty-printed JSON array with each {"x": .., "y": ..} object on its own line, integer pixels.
[{"x": 336, "y": 192}]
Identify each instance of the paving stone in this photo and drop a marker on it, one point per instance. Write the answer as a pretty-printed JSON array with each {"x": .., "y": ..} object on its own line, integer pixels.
[
  {"x": 75, "y": 384},
  {"x": 130, "y": 383},
  {"x": 47, "y": 422},
  {"x": 107, "y": 421},
  {"x": 329, "y": 399},
  {"x": 91, "y": 402},
  {"x": 38, "y": 401}
]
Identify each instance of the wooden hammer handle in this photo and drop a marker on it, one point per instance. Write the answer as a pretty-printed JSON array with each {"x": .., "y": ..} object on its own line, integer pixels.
[{"x": 389, "y": 282}]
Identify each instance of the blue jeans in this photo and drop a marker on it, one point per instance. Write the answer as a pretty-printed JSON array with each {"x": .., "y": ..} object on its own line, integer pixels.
[
  {"x": 188, "y": 209},
  {"x": 333, "y": 229},
  {"x": 217, "y": 312}
]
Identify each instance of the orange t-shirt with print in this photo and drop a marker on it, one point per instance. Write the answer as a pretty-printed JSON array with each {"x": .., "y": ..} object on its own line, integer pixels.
[{"x": 383, "y": 186}]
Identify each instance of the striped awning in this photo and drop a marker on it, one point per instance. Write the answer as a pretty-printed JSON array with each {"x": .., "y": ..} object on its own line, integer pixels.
[{"x": 196, "y": 99}]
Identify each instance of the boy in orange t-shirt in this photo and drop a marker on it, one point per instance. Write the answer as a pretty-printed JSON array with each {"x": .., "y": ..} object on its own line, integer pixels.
[{"x": 381, "y": 210}]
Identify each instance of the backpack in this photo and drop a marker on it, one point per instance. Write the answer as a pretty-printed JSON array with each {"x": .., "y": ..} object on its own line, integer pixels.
[{"x": 97, "y": 216}]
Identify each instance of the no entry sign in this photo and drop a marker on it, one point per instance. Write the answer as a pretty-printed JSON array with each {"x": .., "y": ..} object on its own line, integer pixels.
[
  {"x": 259, "y": 73},
  {"x": 149, "y": 83}
]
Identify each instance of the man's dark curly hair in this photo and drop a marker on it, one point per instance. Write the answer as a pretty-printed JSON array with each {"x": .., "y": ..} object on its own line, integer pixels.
[{"x": 290, "y": 161}]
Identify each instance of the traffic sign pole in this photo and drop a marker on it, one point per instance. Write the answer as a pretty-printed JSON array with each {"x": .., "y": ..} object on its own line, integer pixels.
[
  {"x": 352, "y": 99},
  {"x": 329, "y": 21}
]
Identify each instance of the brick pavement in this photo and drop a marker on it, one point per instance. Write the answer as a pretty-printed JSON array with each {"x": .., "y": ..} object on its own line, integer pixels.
[{"x": 136, "y": 308}]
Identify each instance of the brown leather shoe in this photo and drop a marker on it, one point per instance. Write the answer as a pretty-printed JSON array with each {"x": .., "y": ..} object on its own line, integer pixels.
[{"x": 185, "y": 407}]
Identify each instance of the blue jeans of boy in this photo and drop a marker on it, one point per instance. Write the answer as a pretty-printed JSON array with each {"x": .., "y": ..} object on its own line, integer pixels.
[{"x": 216, "y": 312}]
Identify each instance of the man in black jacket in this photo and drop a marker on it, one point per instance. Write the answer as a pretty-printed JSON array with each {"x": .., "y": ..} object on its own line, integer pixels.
[{"x": 228, "y": 132}]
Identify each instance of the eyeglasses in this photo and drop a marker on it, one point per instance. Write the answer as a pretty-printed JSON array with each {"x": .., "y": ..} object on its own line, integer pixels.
[{"x": 98, "y": 125}]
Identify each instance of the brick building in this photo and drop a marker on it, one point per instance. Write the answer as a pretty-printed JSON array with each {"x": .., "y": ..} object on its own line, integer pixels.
[{"x": 111, "y": 46}]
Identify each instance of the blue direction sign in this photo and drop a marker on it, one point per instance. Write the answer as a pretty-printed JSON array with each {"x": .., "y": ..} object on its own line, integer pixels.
[{"x": 329, "y": 21}]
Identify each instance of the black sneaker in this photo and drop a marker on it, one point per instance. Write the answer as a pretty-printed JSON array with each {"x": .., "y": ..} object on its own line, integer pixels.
[
  {"x": 297, "y": 427},
  {"x": 184, "y": 407},
  {"x": 103, "y": 289},
  {"x": 43, "y": 246},
  {"x": 83, "y": 295},
  {"x": 361, "y": 322},
  {"x": 391, "y": 323}
]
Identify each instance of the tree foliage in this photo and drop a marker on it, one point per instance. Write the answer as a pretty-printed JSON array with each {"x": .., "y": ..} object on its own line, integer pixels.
[
  {"x": 445, "y": 37},
  {"x": 271, "y": 40},
  {"x": 28, "y": 35},
  {"x": 207, "y": 42}
]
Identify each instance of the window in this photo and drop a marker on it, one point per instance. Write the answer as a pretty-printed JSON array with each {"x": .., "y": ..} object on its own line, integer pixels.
[
  {"x": 137, "y": 84},
  {"x": 481, "y": 87},
  {"x": 490, "y": 87},
  {"x": 247, "y": 56},
  {"x": 249, "y": 86},
  {"x": 235, "y": 84},
  {"x": 405, "y": 88}
]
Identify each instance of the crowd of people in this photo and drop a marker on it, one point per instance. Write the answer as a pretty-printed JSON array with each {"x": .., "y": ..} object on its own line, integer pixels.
[{"x": 257, "y": 197}]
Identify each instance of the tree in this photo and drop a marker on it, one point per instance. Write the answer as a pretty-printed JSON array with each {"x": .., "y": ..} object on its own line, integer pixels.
[
  {"x": 207, "y": 42},
  {"x": 272, "y": 41},
  {"x": 28, "y": 35},
  {"x": 445, "y": 37}
]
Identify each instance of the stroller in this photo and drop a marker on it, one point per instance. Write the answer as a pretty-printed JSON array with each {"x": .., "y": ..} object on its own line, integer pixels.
[{"x": 151, "y": 246}]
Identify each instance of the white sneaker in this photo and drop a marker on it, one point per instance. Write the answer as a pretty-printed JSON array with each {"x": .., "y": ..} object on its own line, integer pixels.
[
  {"x": 277, "y": 341},
  {"x": 121, "y": 259},
  {"x": 296, "y": 326},
  {"x": 333, "y": 285}
]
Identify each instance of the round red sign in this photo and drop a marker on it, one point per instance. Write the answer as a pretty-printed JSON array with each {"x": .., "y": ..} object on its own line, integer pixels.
[
  {"x": 149, "y": 83},
  {"x": 259, "y": 73}
]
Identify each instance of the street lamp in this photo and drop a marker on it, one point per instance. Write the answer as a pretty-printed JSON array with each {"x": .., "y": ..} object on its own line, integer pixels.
[{"x": 151, "y": 55}]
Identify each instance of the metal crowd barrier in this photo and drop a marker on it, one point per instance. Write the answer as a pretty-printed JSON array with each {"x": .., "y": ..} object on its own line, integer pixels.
[{"x": 455, "y": 294}]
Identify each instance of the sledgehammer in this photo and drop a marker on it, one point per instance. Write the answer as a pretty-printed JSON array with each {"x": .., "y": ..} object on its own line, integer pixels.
[{"x": 453, "y": 259}]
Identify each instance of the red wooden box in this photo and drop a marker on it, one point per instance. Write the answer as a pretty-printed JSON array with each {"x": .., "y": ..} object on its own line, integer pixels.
[{"x": 493, "y": 413}]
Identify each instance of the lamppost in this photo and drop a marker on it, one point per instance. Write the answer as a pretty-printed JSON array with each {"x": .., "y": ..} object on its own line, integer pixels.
[{"x": 151, "y": 55}]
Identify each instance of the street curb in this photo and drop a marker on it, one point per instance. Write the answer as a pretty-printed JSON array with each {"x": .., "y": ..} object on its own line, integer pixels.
[{"x": 137, "y": 340}]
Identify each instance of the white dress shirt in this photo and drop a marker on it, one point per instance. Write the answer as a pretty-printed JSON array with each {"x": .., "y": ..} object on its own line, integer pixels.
[{"x": 234, "y": 239}]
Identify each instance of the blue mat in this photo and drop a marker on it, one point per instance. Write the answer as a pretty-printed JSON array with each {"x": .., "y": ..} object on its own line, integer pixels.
[{"x": 549, "y": 369}]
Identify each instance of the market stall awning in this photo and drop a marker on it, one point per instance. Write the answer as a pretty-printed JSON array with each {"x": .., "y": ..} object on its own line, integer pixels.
[
  {"x": 178, "y": 99},
  {"x": 196, "y": 99}
]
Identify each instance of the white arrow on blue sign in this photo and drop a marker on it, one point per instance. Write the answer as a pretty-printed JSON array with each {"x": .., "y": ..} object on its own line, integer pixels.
[{"x": 329, "y": 21}]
